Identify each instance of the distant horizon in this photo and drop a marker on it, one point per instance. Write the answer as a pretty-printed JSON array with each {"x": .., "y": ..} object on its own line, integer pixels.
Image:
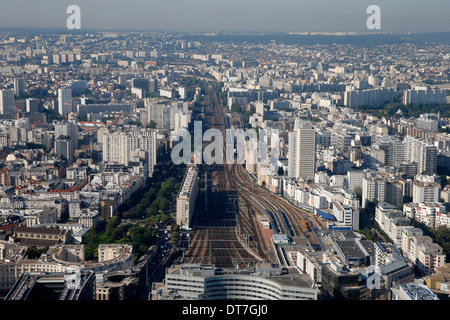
[
  {"x": 255, "y": 32},
  {"x": 253, "y": 16}
]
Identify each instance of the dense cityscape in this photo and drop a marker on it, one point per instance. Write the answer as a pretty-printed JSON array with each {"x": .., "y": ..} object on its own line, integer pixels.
[{"x": 94, "y": 205}]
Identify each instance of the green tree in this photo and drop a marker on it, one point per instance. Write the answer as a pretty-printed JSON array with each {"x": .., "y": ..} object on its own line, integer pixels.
[
  {"x": 236, "y": 107},
  {"x": 34, "y": 252}
]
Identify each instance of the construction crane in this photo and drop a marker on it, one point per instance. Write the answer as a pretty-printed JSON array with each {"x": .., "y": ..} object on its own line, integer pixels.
[
  {"x": 17, "y": 112},
  {"x": 66, "y": 104}
]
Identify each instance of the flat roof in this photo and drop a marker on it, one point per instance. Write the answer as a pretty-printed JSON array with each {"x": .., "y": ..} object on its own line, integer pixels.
[
  {"x": 326, "y": 215},
  {"x": 418, "y": 292},
  {"x": 350, "y": 248}
]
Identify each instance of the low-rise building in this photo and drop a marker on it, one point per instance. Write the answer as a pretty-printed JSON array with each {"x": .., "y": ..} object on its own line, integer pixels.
[{"x": 412, "y": 291}]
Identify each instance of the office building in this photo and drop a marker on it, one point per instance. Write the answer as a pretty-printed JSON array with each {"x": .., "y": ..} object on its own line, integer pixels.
[
  {"x": 19, "y": 87},
  {"x": 32, "y": 105},
  {"x": 40, "y": 286},
  {"x": 393, "y": 268},
  {"x": 394, "y": 192},
  {"x": 341, "y": 283},
  {"x": 346, "y": 216},
  {"x": 64, "y": 148},
  {"x": 85, "y": 109},
  {"x": 78, "y": 86},
  {"x": 146, "y": 85},
  {"x": 70, "y": 129},
  {"x": 7, "y": 102},
  {"x": 302, "y": 152},
  {"x": 412, "y": 291},
  {"x": 206, "y": 282}
]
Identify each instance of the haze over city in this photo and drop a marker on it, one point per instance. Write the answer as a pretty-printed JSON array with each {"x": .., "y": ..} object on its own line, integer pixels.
[
  {"x": 207, "y": 157},
  {"x": 230, "y": 15}
]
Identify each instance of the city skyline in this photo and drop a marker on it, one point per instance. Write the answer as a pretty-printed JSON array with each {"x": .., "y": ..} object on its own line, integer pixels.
[
  {"x": 247, "y": 16},
  {"x": 295, "y": 150}
]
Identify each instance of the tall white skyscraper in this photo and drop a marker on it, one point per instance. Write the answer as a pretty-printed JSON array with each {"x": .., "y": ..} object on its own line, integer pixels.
[
  {"x": 64, "y": 101},
  {"x": 7, "y": 102},
  {"x": 302, "y": 152}
]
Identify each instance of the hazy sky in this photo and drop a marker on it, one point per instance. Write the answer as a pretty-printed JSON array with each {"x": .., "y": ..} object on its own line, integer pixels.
[{"x": 230, "y": 15}]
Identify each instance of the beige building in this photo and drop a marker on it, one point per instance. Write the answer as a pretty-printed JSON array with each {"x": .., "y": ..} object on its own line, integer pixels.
[
  {"x": 40, "y": 237},
  {"x": 302, "y": 152},
  {"x": 439, "y": 282},
  {"x": 186, "y": 197},
  {"x": 58, "y": 258},
  {"x": 421, "y": 250}
]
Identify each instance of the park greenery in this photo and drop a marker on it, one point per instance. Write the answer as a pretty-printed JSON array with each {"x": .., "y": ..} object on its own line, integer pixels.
[
  {"x": 440, "y": 235},
  {"x": 137, "y": 221},
  {"x": 191, "y": 83},
  {"x": 34, "y": 252}
]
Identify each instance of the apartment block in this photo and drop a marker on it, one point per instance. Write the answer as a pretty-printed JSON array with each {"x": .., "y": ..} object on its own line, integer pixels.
[{"x": 186, "y": 198}]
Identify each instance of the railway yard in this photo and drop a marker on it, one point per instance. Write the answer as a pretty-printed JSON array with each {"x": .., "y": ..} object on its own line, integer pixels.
[{"x": 227, "y": 225}]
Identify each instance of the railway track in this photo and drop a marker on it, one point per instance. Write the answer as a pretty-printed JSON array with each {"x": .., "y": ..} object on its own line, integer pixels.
[
  {"x": 227, "y": 247},
  {"x": 294, "y": 221},
  {"x": 232, "y": 246}
]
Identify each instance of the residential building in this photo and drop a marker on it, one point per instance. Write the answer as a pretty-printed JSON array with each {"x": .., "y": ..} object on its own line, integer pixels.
[
  {"x": 64, "y": 101},
  {"x": 425, "y": 192},
  {"x": 423, "y": 95},
  {"x": 186, "y": 198}
]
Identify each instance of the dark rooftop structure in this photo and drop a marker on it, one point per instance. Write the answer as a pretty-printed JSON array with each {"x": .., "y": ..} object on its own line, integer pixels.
[
  {"x": 53, "y": 286},
  {"x": 351, "y": 247},
  {"x": 354, "y": 251}
]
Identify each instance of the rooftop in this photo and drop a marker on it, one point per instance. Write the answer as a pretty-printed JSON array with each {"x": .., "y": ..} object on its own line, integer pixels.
[{"x": 417, "y": 292}]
